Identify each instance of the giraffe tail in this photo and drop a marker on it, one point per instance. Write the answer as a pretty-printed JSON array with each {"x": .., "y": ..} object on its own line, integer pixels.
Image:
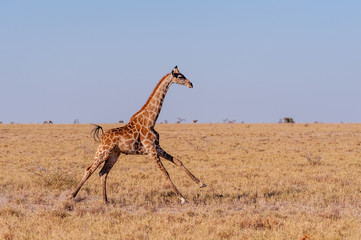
[{"x": 95, "y": 133}]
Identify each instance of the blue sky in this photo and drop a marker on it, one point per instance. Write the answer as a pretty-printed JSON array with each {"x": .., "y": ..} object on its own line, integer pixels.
[{"x": 251, "y": 61}]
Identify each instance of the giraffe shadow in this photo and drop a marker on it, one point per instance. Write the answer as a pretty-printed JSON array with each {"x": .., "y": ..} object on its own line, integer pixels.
[{"x": 79, "y": 199}]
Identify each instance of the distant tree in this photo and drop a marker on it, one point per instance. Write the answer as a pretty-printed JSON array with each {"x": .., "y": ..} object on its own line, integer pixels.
[
  {"x": 165, "y": 121},
  {"x": 180, "y": 120},
  {"x": 121, "y": 121},
  {"x": 76, "y": 121},
  {"x": 228, "y": 121}
]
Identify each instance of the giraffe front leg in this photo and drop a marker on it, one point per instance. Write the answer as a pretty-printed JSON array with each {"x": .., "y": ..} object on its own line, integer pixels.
[
  {"x": 160, "y": 165},
  {"x": 177, "y": 162}
]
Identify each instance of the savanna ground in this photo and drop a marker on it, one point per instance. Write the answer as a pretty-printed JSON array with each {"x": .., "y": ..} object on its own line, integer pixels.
[{"x": 265, "y": 181}]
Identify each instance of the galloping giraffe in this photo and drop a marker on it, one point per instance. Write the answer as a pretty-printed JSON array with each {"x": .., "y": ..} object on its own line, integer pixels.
[{"x": 138, "y": 137}]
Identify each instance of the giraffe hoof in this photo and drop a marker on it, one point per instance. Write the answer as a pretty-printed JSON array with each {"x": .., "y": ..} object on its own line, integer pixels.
[
  {"x": 183, "y": 201},
  {"x": 70, "y": 197},
  {"x": 202, "y": 185}
]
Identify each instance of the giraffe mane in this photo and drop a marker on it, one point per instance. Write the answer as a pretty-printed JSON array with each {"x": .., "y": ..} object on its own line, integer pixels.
[{"x": 151, "y": 95}]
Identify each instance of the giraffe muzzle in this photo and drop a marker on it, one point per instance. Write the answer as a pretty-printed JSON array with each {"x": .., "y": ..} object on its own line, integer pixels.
[{"x": 189, "y": 84}]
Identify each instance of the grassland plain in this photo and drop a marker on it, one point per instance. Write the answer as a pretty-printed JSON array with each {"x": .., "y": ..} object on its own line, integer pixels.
[{"x": 265, "y": 181}]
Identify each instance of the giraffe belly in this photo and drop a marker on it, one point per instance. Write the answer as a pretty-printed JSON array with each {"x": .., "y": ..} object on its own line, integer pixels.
[{"x": 132, "y": 147}]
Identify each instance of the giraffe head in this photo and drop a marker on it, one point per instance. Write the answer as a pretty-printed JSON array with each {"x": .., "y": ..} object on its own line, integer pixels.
[{"x": 180, "y": 79}]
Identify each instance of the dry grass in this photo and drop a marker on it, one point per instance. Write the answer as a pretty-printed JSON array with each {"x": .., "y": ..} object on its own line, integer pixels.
[{"x": 265, "y": 181}]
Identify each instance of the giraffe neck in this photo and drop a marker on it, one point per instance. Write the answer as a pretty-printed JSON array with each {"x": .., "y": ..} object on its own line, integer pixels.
[{"x": 149, "y": 113}]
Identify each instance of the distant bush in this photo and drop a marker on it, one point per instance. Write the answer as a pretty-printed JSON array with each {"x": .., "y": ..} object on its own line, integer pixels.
[
  {"x": 288, "y": 120},
  {"x": 56, "y": 178}
]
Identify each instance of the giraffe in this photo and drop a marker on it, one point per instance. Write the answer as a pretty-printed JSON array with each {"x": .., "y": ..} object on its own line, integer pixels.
[{"x": 138, "y": 137}]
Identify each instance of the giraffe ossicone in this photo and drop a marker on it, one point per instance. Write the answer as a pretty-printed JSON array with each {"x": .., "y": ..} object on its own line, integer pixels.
[{"x": 138, "y": 137}]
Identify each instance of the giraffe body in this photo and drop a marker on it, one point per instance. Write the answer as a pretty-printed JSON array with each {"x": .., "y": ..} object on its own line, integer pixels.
[{"x": 138, "y": 137}]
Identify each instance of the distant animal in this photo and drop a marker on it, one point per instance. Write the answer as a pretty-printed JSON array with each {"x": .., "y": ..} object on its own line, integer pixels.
[
  {"x": 48, "y": 122},
  {"x": 194, "y": 121},
  {"x": 138, "y": 137}
]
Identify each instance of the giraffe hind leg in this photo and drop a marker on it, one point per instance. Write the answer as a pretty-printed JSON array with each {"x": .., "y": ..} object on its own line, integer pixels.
[
  {"x": 88, "y": 172},
  {"x": 99, "y": 159},
  {"x": 109, "y": 163},
  {"x": 177, "y": 162}
]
